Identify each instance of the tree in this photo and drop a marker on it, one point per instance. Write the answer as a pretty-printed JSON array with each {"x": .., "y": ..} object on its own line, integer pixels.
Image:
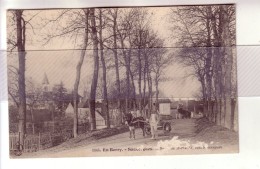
[
  {"x": 114, "y": 26},
  {"x": 209, "y": 31},
  {"x": 141, "y": 40},
  {"x": 33, "y": 97},
  {"x": 13, "y": 85},
  {"x": 137, "y": 40},
  {"x": 77, "y": 28},
  {"x": 194, "y": 35},
  {"x": 78, "y": 73},
  {"x": 104, "y": 68},
  {"x": 17, "y": 41},
  {"x": 59, "y": 97},
  {"x": 161, "y": 61},
  {"x": 226, "y": 43},
  {"x": 20, "y": 42},
  {"x": 94, "y": 38},
  {"x": 124, "y": 29}
]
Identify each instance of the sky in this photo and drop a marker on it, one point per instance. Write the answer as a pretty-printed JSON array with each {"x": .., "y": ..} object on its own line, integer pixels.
[{"x": 59, "y": 63}]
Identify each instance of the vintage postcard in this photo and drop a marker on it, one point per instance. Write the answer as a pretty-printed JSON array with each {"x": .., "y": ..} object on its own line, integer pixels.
[{"x": 122, "y": 81}]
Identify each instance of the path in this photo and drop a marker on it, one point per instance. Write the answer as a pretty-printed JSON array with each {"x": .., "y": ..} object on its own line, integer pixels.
[{"x": 121, "y": 144}]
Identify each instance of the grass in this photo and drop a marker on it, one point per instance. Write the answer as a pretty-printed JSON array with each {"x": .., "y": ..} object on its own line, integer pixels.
[{"x": 207, "y": 131}]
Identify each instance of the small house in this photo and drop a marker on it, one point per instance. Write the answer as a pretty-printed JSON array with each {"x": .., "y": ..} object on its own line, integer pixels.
[
  {"x": 84, "y": 114},
  {"x": 69, "y": 112}
]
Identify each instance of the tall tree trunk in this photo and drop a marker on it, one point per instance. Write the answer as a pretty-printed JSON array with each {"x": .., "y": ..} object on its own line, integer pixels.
[
  {"x": 226, "y": 37},
  {"x": 32, "y": 118},
  {"x": 221, "y": 68},
  {"x": 157, "y": 91},
  {"x": 208, "y": 65},
  {"x": 150, "y": 92},
  {"x": 92, "y": 101},
  {"x": 146, "y": 80},
  {"x": 205, "y": 104},
  {"x": 78, "y": 72},
  {"x": 216, "y": 66},
  {"x": 20, "y": 26},
  {"x": 127, "y": 67},
  {"x": 127, "y": 60},
  {"x": 134, "y": 90},
  {"x": 140, "y": 80},
  {"x": 104, "y": 68},
  {"x": 116, "y": 62},
  {"x": 128, "y": 87},
  {"x": 144, "y": 86}
]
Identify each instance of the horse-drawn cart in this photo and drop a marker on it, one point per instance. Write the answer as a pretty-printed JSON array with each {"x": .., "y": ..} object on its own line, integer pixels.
[{"x": 165, "y": 124}]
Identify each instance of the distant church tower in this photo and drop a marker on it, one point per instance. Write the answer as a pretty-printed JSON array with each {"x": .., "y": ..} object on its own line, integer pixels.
[{"x": 45, "y": 83}]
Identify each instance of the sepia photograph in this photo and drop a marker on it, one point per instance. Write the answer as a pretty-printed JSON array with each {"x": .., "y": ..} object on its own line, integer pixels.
[{"x": 122, "y": 81}]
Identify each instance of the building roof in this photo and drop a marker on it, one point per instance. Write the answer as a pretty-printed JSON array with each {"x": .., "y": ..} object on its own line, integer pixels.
[
  {"x": 98, "y": 105},
  {"x": 85, "y": 104},
  {"x": 164, "y": 100}
]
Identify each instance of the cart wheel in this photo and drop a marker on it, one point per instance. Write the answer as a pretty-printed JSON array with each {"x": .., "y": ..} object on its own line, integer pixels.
[{"x": 167, "y": 128}]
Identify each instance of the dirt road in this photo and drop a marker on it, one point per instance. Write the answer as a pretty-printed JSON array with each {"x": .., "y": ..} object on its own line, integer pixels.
[{"x": 183, "y": 139}]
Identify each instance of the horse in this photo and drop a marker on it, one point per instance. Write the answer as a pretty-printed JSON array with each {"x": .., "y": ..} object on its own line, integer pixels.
[
  {"x": 184, "y": 113},
  {"x": 134, "y": 122}
]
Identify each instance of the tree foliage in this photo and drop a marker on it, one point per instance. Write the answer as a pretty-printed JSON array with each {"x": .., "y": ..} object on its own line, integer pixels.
[{"x": 206, "y": 36}]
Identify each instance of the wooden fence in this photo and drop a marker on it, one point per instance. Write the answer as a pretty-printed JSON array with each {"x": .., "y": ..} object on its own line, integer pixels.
[{"x": 41, "y": 141}]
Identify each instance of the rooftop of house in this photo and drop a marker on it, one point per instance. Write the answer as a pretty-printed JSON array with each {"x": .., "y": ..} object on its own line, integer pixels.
[
  {"x": 85, "y": 104},
  {"x": 164, "y": 100}
]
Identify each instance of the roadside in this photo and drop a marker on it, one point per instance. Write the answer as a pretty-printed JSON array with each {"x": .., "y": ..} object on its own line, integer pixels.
[
  {"x": 81, "y": 140},
  {"x": 217, "y": 135},
  {"x": 189, "y": 136}
]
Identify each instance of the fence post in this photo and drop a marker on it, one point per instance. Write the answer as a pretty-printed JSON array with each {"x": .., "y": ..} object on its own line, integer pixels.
[
  {"x": 39, "y": 142},
  {"x": 50, "y": 138},
  {"x": 19, "y": 139}
]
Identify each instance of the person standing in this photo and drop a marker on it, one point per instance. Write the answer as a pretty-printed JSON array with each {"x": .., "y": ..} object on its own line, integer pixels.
[{"x": 153, "y": 123}]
